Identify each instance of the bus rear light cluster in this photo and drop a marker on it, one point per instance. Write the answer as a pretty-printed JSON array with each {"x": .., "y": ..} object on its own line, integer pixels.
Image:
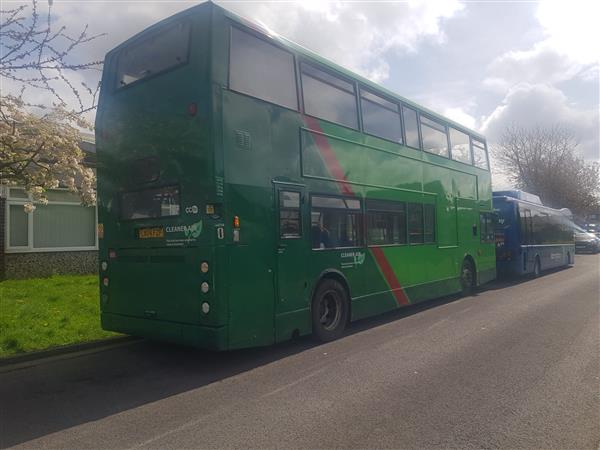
[
  {"x": 204, "y": 267},
  {"x": 105, "y": 281},
  {"x": 204, "y": 287}
]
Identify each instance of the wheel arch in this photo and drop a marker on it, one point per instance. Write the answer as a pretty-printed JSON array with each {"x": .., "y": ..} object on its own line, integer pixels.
[
  {"x": 471, "y": 259},
  {"x": 333, "y": 274}
]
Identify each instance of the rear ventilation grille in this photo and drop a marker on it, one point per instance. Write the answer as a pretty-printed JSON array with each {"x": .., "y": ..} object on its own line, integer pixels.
[{"x": 242, "y": 139}]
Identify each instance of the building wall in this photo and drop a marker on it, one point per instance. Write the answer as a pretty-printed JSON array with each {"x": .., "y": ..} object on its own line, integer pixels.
[
  {"x": 44, "y": 264},
  {"x": 57, "y": 238}
]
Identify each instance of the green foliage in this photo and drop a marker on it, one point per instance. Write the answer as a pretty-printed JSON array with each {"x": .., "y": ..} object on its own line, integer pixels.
[{"x": 40, "y": 313}]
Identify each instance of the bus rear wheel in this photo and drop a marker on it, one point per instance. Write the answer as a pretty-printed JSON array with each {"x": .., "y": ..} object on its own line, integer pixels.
[
  {"x": 467, "y": 277},
  {"x": 330, "y": 309}
]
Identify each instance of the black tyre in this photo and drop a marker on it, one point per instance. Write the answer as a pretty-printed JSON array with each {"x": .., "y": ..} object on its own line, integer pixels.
[
  {"x": 330, "y": 310},
  {"x": 467, "y": 277},
  {"x": 537, "y": 268}
]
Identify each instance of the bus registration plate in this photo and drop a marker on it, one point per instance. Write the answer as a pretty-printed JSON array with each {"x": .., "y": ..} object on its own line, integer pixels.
[{"x": 149, "y": 233}]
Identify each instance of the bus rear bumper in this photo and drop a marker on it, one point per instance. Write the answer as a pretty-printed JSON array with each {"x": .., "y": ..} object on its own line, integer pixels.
[{"x": 210, "y": 338}]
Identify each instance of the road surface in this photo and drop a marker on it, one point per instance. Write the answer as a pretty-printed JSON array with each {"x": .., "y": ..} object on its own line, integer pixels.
[{"x": 515, "y": 366}]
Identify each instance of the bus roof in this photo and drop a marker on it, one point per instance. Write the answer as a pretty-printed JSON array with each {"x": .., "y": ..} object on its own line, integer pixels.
[
  {"x": 511, "y": 199},
  {"x": 302, "y": 50}
]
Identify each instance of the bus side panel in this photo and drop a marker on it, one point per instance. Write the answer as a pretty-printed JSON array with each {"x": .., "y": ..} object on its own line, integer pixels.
[
  {"x": 250, "y": 268},
  {"x": 250, "y": 298}
]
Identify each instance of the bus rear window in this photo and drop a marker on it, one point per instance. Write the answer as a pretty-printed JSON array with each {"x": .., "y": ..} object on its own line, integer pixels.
[
  {"x": 156, "y": 53},
  {"x": 150, "y": 203}
]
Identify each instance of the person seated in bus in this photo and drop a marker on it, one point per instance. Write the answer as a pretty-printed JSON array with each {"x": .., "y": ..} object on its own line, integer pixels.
[{"x": 320, "y": 236}]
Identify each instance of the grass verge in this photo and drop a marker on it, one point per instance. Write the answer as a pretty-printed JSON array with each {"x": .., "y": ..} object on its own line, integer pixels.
[{"x": 40, "y": 313}]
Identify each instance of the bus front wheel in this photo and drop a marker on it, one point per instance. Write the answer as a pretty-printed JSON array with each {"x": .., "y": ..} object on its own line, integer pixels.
[{"x": 329, "y": 310}]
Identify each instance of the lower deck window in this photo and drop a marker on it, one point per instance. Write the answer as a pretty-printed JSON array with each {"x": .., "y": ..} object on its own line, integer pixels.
[
  {"x": 290, "y": 224},
  {"x": 150, "y": 203},
  {"x": 386, "y": 222},
  {"x": 335, "y": 222},
  {"x": 429, "y": 223},
  {"x": 415, "y": 223},
  {"x": 486, "y": 227}
]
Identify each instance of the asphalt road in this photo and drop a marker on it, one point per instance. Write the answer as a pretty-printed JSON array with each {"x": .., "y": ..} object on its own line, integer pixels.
[{"x": 515, "y": 366}]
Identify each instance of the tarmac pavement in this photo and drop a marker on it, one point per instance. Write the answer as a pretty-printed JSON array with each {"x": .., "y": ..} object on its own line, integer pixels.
[{"x": 514, "y": 366}]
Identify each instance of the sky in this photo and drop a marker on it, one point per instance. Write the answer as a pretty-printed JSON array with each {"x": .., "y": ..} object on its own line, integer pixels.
[{"x": 484, "y": 64}]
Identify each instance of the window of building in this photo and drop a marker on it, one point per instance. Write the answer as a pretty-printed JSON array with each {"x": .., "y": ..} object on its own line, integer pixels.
[
  {"x": 435, "y": 139},
  {"x": 329, "y": 97},
  {"x": 480, "y": 158},
  {"x": 429, "y": 223},
  {"x": 411, "y": 127},
  {"x": 460, "y": 148},
  {"x": 380, "y": 116},
  {"x": 335, "y": 222},
  {"x": 415, "y": 223},
  {"x": 262, "y": 70},
  {"x": 386, "y": 222},
  {"x": 158, "y": 52},
  {"x": 290, "y": 223},
  {"x": 18, "y": 225},
  {"x": 61, "y": 225}
]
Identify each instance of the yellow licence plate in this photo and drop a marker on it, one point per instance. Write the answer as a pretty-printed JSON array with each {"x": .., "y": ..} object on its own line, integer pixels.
[{"x": 149, "y": 233}]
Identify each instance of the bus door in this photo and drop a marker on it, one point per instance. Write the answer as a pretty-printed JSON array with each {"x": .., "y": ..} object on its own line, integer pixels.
[
  {"x": 292, "y": 254},
  {"x": 526, "y": 239}
]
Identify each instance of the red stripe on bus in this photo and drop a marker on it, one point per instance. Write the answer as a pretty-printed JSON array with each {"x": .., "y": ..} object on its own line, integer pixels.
[
  {"x": 390, "y": 276},
  {"x": 331, "y": 161}
]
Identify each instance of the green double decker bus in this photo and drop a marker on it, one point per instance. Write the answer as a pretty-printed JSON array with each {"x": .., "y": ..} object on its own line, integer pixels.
[{"x": 250, "y": 191}]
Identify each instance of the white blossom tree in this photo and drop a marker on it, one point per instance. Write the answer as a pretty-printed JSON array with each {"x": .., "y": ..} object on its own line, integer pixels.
[
  {"x": 39, "y": 143},
  {"x": 42, "y": 152}
]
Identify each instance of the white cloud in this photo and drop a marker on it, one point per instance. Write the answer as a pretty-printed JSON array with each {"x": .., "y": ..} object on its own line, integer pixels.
[
  {"x": 543, "y": 63},
  {"x": 530, "y": 105},
  {"x": 461, "y": 116},
  {"x": 570, "y": 47},
  {"x": 354, "y": 36},
  {"x": 572, "y": 28}
]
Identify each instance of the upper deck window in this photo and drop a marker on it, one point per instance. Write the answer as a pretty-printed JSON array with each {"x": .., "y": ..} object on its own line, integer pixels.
[
  {"x": 461, "y": 151},
  {"x": 262, "y": 70},
  {"x": 380, "y": 116},
  {"x": 480, "y": 158},
  {"x": 329, "y": 97},
  {"x": 435, "y": 139},
  {"x": 156, "y": 53},
  {"x": 411, "y": 127}
]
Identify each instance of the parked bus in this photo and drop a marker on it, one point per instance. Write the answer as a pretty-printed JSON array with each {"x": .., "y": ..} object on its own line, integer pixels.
[
  {"x": 251, "y": 191},
  {"x": 531, "y": 237}
]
